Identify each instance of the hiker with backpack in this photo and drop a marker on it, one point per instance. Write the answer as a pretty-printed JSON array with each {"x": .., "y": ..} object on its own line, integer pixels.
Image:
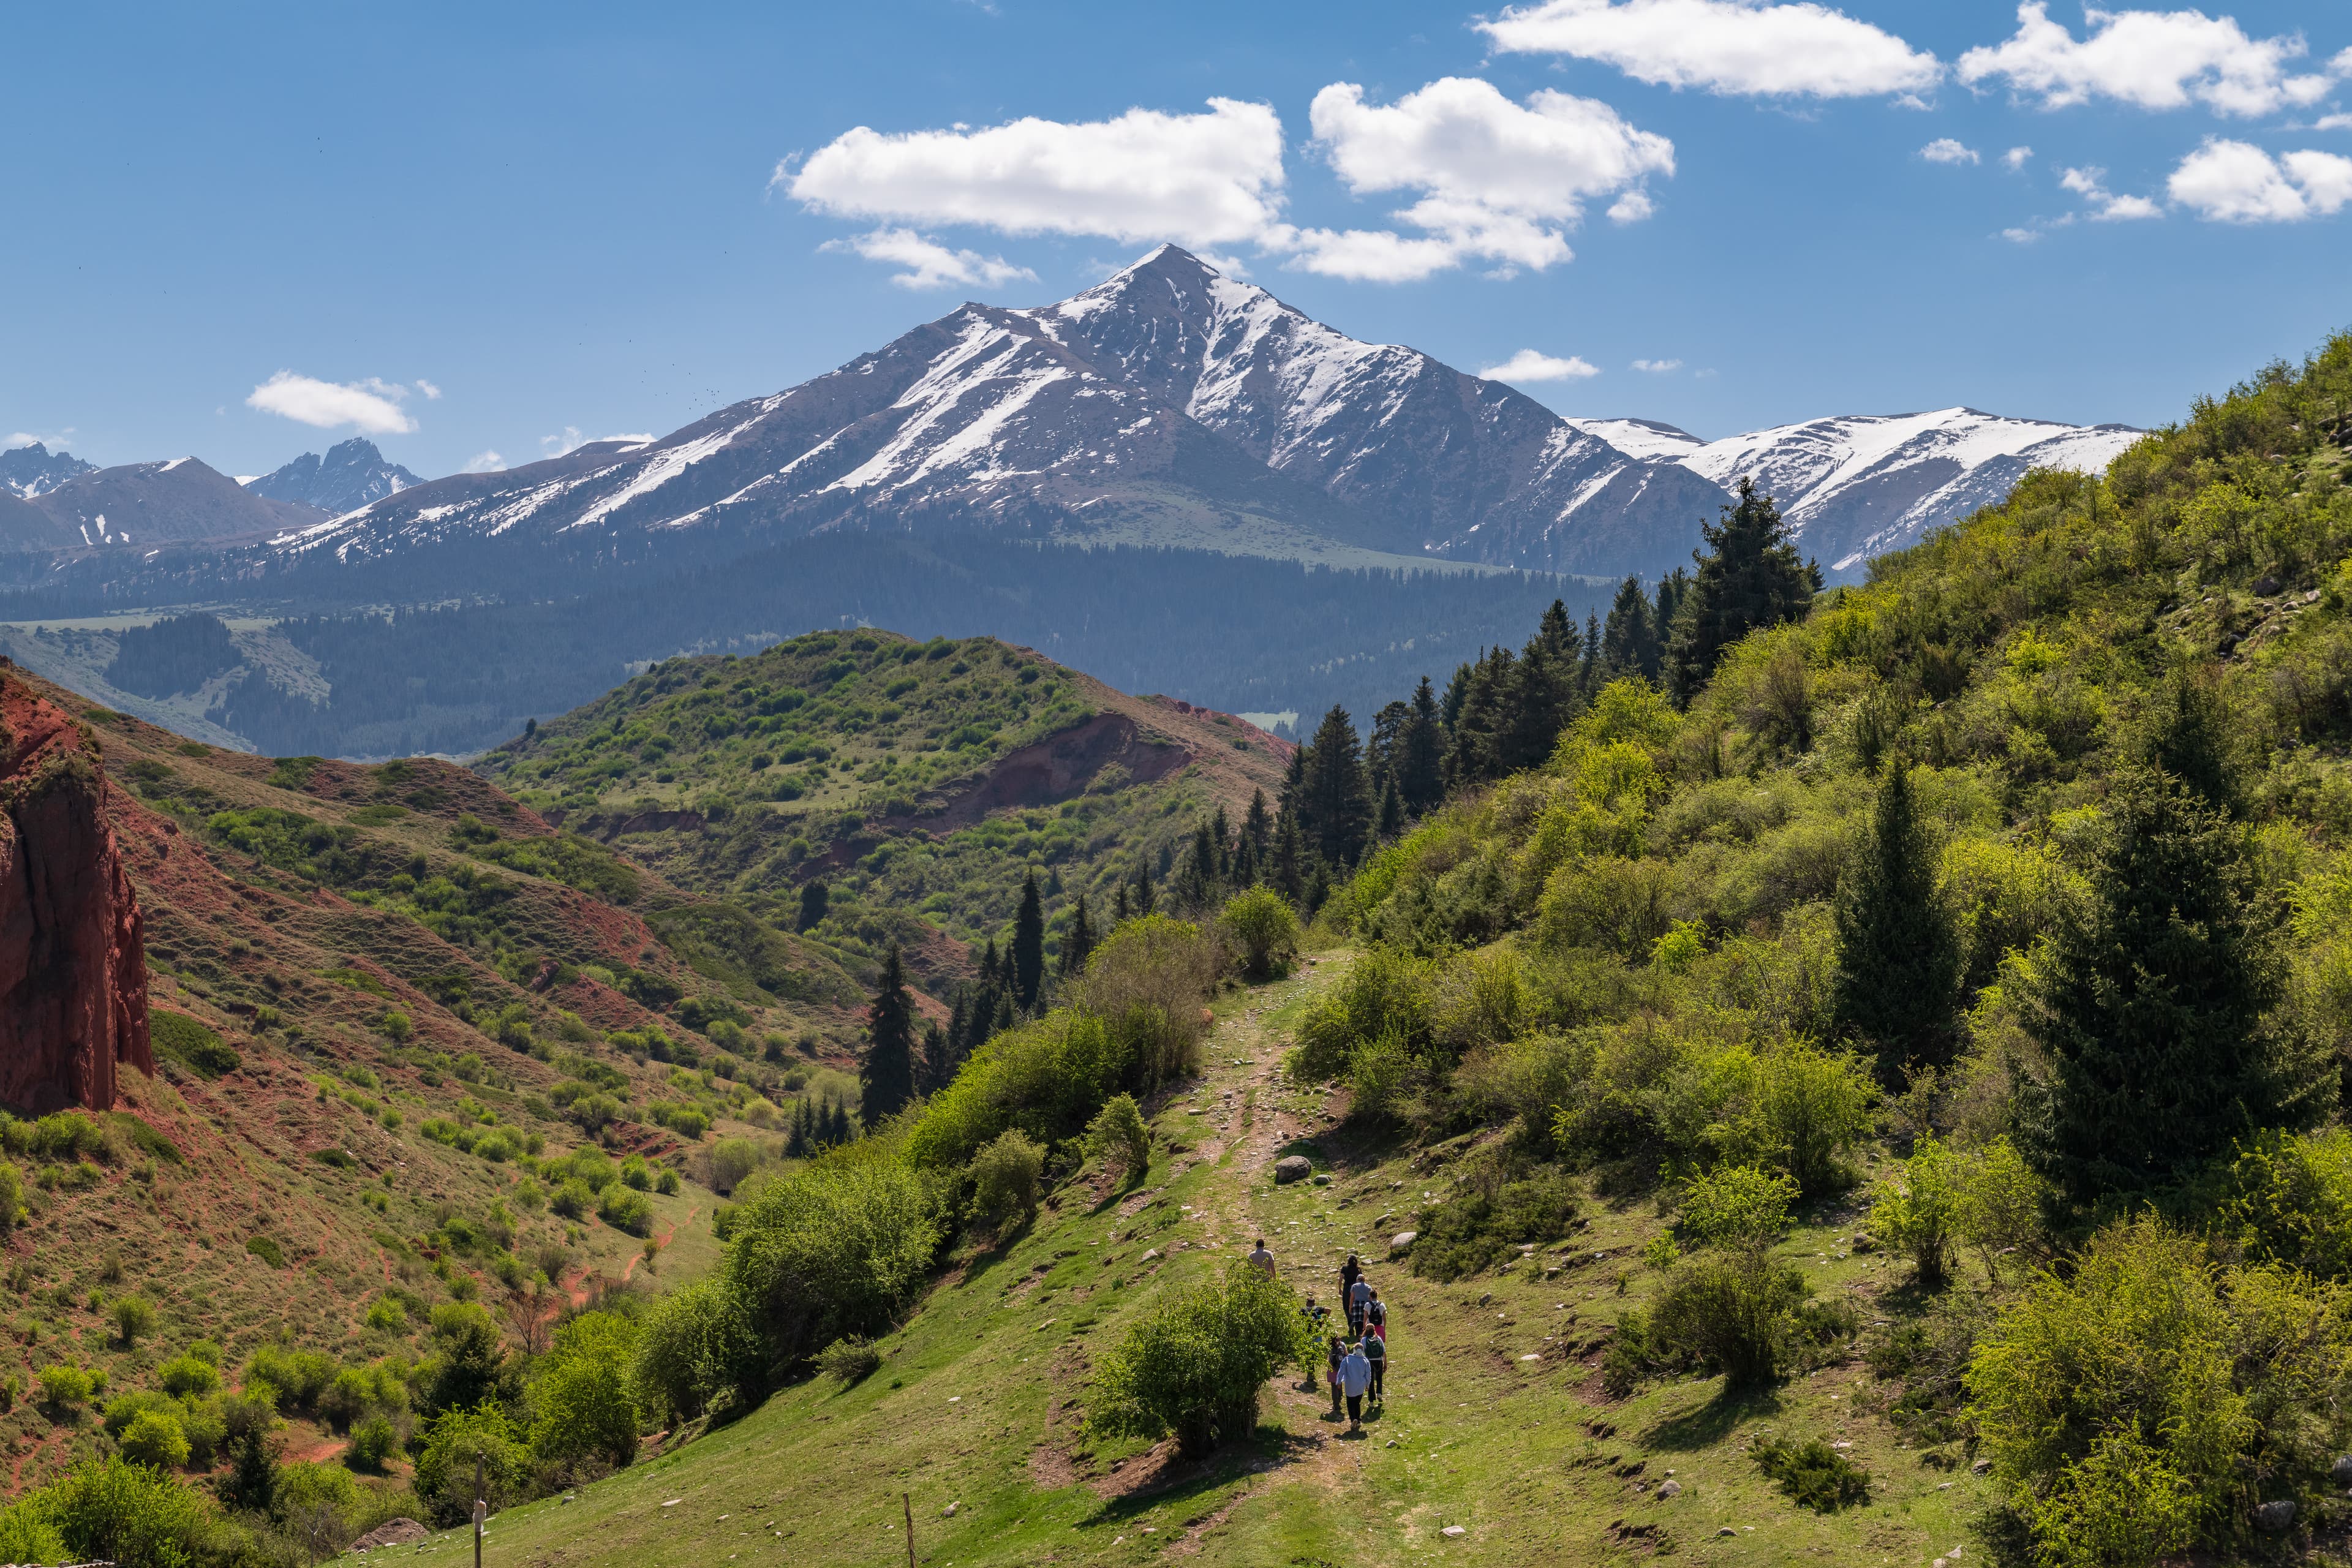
[
  {"x": 1376, "y": 1355},
  {"x": 1355, "y": 1377},
  {"x": 1358, "y": 1299},
  {"x": 1335, "y": 1358}
]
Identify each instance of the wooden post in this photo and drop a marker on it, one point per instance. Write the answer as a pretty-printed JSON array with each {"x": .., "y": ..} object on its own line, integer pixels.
[
  {"x": 481, "y": 1510},
  {"x": 904, "y": 1501}
]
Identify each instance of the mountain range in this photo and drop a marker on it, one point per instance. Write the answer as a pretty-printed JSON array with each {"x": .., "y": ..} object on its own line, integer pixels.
[
  {"x": 1173, "y": 404},
  {"x": 349, "y": 477},
  {"x": 35, "y": 470}
]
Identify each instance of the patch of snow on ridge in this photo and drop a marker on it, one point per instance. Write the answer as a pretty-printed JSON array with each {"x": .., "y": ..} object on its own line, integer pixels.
[
  {"x": 981, "y": 365},
  {"x": 1641, "y": 437},
  {"x": 658, "y": 470}
]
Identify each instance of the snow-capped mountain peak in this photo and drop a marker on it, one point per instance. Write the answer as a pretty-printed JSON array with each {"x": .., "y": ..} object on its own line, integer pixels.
[{"x": 33, "y": 470}]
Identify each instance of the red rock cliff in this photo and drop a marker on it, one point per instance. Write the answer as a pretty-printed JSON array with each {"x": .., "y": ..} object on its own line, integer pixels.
[{"x": 73, "y": 965}]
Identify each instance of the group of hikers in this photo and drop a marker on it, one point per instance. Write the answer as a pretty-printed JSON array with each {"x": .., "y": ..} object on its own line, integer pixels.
[{"x": 1356, "y": 1364}]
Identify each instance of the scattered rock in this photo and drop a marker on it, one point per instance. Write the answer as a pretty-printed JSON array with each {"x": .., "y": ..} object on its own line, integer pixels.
[
  {"x": 1453, "y": 1530},
  {"x": 1322, "y": 1179},
  {"x": 950, "y": 1511},
  {"x": 1487, "y": 1299},
  {"x": 1401, "y": 1242},
  {"x": 1292, "y": 1168},
  {"x": 1983, "y": 1465},
  {"x": 1670, "y": 1488},
  {"x": 2275, "y": 1517},
  {"x": 2342, "y": 1470},
  {"x": 1148, "y": 1256},
  {"x": 394, "y": 1532},
  {"x": 1727, "y": 1530}
]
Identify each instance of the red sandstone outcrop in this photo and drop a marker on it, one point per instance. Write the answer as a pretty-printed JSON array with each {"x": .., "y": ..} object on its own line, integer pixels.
[{"x": 73, "y": 965}]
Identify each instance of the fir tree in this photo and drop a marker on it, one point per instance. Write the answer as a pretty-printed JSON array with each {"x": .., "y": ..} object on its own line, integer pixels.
[
  {"x": 815, "y": 898},
  {"x": 1476, "y": 752},
  {"x": 797, "y": 1140},
  {"x": 1119, "y": 907},
  {"x": 1027, "y": 954},
  {"x": 1220, "y": 832},
  {"x": 1257, "y": 827},
  {"x": 1751, "y": 578},
  {"x": 1382, "y": 747},
  {"x": 1145, "y": 898},
  {"x": 1542, "y": 697},
  {"x": 1629, "y": 642},
  {"x": 838, "y": 1131},
  {"x": 1247, "y": 870},
  {"x": 1896, "y": 984},
  {"x": 1388, "y": 814},
  {"x": 1671, "y": 589},
  {"x": 2156, "y": 1008},
  {"x": 1335, "y": 813},
  {"x": 251, "y": 1483},
  {"x": 1289, "y": 859},
  {"x": 936, "y": 1060},
  {"x": 959, "y": 1023},
  {"x": 886, "y": 1074},
  {"x": 1421, "y": 754},
  {"x": 2192, "y": 742},
  {"x": 1077, "y": 941}
]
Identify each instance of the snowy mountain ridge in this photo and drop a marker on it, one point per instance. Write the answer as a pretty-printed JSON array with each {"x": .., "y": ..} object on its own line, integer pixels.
[{"x": 1171, "y": 405}]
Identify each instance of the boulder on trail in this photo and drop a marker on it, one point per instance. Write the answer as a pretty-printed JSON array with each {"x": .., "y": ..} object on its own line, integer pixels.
[
  {"x": 391, "y": 1533},
  {"x": 1292, "y": 1168},
  {"x": 1401, "y": 1242}
]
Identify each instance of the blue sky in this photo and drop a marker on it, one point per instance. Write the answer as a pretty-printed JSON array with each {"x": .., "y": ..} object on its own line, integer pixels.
[{"x": 476, "y": 232}]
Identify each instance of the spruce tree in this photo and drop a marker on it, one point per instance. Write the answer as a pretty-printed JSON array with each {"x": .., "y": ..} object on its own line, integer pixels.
[
  {"x": 886, "y": 1074},
  {"x": 1221, "y": 836},
  {"x": 1078, "y": 941},
  {"x": 1421, "y": 754},
  {"x": 1145, "y": 898},
  {"x": 1118, "y": 908},
  {"x": 1751, "y": 578},
  {"x": 838, "y": 1131},
  {"x": 1476, "y": 756},
  {"x": 815, "y": 900},
  {"x": 1629, "y": 641},
  {"x": 1028, "y": 949},
  {"x": 2157, "y": 1008},
  {"x": 2193, "y": 743},
  {"x": 1289, "y": 859},
  {"x": 1257, "y": 827},
  {"x": 1388, "y": 814},
  {"x": 1336, "y": 805},
  {"x": 935, "y": 1060},
  {"x": 1897, "y": 985}
]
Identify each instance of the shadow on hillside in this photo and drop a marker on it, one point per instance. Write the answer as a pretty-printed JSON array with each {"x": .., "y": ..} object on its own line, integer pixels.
[
  {"x": 1270, "y": 1448},
  {"x": 1712, "y": 1422}
]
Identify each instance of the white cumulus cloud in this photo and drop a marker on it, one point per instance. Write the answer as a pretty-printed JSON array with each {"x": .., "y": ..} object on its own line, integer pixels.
[
  {"x": 2016, "y": 158},
  {"x": 371, "y": 406},
  {"x": 485, "y": 462},
  {"x": 2090, "y": 185},
  {"x": 1657, "y": 366},
  {"x": 1949, "y": 150},
  {"x": 1497, "y": 181},
  {"x": 2235, "y": 181},
  {"x": 1723, "y": 46},
  {"x": 928, "y": 264},
  {"x": 1532, "y": 364},
  {"x": 427, "y": 388},
  {"x": 2153, "y": 60},
  {"x": 1199, "y": 179}
]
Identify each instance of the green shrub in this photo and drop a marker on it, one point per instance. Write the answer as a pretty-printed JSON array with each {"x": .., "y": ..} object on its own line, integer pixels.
[
  {"x": 2288, "y": 1200},
  {"x": 65, "y": 1386},
  {"x": 583, "y": 1400},
  {"x": 386, "y": 1312},
  {"x": 1005, "y": 1177},
  {"x": 1493, "y": 1208},
  {"x": 373, "y": 1442},
  {"x": 2154, "y": 1379},
  {"x": 183, "y": 1040},
  {"x": 27, "y": 1533},
  {"x": 135, "y": 1318},
  {"x": 625, "y": 1210},
  {"x": 1919, "y": 1208},
  {"x": 114, "y": 1510},
  {"x": 267, "y": 1250},
  {"x": 12, "y": 1198},
  {"x": 1194, "y": 1363},
  {"x": 1383, "y": 993},
  {"x": 573, "y": 1199},
  {"x": 1119, "y": 1137},
  {"x": 1730, "y": 1310},
  {"x": 155, "y": 1438},
  {"x": 1149, "y": 977},
  {"x": 300, "y": 1377},
  {"x": 732, "y": 1159},
  {"x": 1792, "y": 1107},
  {"x": 1813, "y": 1474},
  {"x": 1737, "y": 1205},
  {"x": 188, "y": 1374},
  {"x": 698, "y": 1350},
  {"x": 1263, "y": 930},
  {"x": 1048, "y": 1078},
  {"x": 1382, "y": 1075},
  {"x": 832, "y": 1249},
  {"x": 850, "y": 1359},
  {"x": 446, "y": 1464}
]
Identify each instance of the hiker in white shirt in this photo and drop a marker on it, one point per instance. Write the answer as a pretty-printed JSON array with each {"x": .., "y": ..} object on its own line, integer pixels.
[{"x": 1355, "y": 1377}]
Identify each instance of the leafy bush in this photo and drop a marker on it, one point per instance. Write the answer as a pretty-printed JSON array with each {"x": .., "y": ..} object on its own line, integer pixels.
[
  {"x": 135, "y": 1318},
  {"x": 1793, "y": 1107},
  {"x": 1732, "y": 1311},
  {"x": 373, "y": 1442},
  {"x": 1813, "y": 1474},
  {"x": 2288, "y": 1200},
  {"x": 583, "y": 1402},
  {"x": 444, "y": 1466},
  {"x": 849, "y": 1360},
  {"x": 1149, "y": 977},
  {"x": 1492, "y": 1210},
  {"x": 1919, "y": 1209},
  {"x": 156, "y": 1439},
  {"x": 1264, "y": 930},
  {"x": 124, "y": 1409},
  {"x": 625, "y": 1210},
  {"x": 1383, "y": 993},
  {"x": 65, "y": 1385},
  {"x": 12, "y": 1198},
  {"x": 267, "y": 1250},
  {"x": 1194, "y": 1363},
  {"x": 1120, "y": 1138},
  {"x": 1736, "y": 1204},
  {"x": 698, "y": 1350},
  {"x": 2154, "y": 1379},
  {"x": 115, "y": 1510},
  {"x": 732, "y": 1159},
  {"x": 28, "y": 1534},
  {"x": 1005, "y": 1177},
  {"x": 1048, "y": 1078},
  {"x": 832, "y": 1249}
]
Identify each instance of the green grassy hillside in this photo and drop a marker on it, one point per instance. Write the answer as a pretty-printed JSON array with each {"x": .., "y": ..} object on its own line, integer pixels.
[{"x": 919, "y": 781}]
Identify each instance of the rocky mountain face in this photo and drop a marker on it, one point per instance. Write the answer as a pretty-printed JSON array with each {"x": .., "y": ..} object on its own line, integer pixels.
[
  {"x": 349, "y": 475},
  {"x": 35, "y": 470},
  {"x": 73, "y": 972},
  {"x": 1860, "y": 485},
  {"x": 143, "y": 505}
]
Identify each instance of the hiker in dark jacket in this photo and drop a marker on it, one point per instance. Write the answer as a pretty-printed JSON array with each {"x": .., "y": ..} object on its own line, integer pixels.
[
  {"x": 1333, "y": 1357},
  {"x": 1375, "y": 1352}
]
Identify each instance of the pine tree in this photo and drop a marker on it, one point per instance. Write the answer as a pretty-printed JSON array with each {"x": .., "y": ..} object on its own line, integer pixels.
[
  {"x": 1335, "y": 813},
  {"x": 1257, "y": 827},
  {"x": 886, "y": 1074},
  {"x": 1629, "y": 642},
  {"x": 1145, "y": 898},
  {"x": 1383, "y": 747},
  {"x": 1421, "y": 754},
  {"x": 1247, "y": 870},
  {"x": 959, "y": 1023},
  {"x": 1220, "y": 835},
  {"x": 796, "y": 1141},
  {"x": 1896, "y": 984},
  {"x": 1543, "y": 695},
  {"x": 1005, "y": 1015},
  {"x": 1289, "y": 859},
  {"x": 935, "y": 1060},
  {"x": 1671, "y": 589},
  {"x": 1028, "y": 951},
  {"x": 1078, "y": 941},
  {"x": 1751, "y": 578},
  {"x": 2156, "y": 1008},
  {"x": 1476, "y": 752},
  {"x": 815, "y": 900},
  {"x": 2192, "y": 742},
  {"x": 838, "y": 1131},
  {"x": 1118, "y": 908},
  {"x": 251, "y": 1483},
  {"x": 1388, "y": 814}
]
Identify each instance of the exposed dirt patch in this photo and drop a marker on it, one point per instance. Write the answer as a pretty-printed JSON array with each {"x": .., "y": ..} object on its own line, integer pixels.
[{"x": 1051, "y": 770}]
